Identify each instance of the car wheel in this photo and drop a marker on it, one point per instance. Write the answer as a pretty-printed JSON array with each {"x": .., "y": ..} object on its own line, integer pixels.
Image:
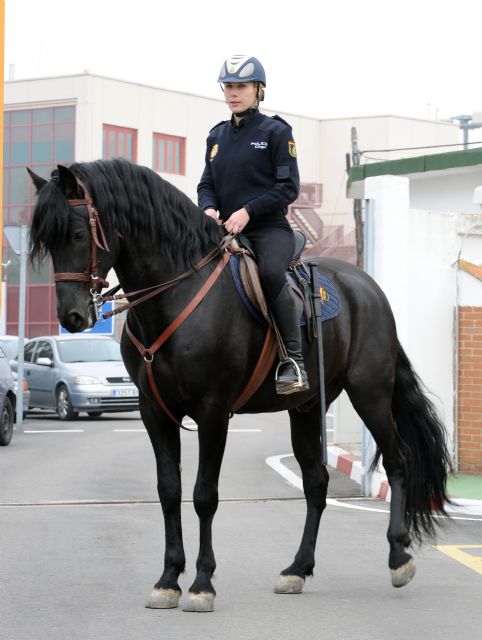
[
  {"x": 6, "y": 423},
  {"x": 65, "y": 409},
  {"x": 94, "y": 414}
]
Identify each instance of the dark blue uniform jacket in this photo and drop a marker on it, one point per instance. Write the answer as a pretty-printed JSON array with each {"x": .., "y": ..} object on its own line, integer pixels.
[{"x": 253, "y": 166}]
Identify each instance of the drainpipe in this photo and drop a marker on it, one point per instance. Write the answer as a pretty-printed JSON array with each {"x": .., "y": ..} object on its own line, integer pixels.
[{"x": 368, "y": 443}]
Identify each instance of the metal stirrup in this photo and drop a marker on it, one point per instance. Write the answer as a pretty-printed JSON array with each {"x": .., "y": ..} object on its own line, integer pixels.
[{"x": 297, "y": 369}]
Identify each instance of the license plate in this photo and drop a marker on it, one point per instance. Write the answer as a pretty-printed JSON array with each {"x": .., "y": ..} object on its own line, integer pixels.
[{"x": 124, "y": 393}]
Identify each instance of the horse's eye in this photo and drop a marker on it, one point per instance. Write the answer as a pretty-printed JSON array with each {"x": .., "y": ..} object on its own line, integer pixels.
[{"x": 79, "y": 235}]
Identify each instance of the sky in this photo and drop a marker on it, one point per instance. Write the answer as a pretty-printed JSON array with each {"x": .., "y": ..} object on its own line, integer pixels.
[{"x": 417, "y": 58}]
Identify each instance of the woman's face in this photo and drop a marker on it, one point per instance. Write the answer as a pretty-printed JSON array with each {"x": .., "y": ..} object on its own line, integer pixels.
[{"x": 240, "y": 95}]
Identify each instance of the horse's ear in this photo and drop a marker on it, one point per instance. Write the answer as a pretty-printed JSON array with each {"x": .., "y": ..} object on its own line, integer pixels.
[
  {"x": 38, "y": 181},
  {"x": 67, "y": 181}
]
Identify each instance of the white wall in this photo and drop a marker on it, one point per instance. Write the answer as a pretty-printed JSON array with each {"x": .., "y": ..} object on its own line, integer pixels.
[
  {"x": 446, "y": 190},
  {"x": 414, "y": 263}
]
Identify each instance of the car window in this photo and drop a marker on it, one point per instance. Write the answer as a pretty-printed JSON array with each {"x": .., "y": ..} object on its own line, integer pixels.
[
  {"x": 28, "y": 351},
  {"x": 107, "y": 350},
  {"x": 43, "y": 350}
]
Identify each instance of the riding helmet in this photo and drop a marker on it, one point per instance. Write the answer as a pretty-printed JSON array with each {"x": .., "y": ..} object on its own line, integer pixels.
[{"x": 242, "y": 68}]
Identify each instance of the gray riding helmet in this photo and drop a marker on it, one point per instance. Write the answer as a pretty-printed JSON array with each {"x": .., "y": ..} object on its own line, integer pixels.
[{"x": 242, "y": 68}]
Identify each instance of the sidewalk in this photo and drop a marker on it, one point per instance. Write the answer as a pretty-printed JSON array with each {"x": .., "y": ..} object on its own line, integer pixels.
[{"x": 465, "y": 490}]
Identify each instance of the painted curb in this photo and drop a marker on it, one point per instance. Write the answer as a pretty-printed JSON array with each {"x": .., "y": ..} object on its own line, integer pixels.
[{"x": 351, "y": 466}]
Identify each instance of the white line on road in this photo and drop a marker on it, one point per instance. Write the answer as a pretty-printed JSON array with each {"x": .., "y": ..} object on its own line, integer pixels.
[
  {"x": 230, "y": 430},
  {"x": 275, "y": 463},
  {"x": 54, "y": 431}
]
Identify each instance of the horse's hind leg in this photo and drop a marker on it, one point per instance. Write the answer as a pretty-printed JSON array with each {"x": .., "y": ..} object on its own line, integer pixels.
[
  {"x": 213, "y": 429},
  {"x": 305, "y": 438},
  {"x": 372, "y": 401},
  {"x": 165, "y": 439}
]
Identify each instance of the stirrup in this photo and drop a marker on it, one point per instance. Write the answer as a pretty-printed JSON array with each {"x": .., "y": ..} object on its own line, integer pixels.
[{"x": 301, "y": 383}]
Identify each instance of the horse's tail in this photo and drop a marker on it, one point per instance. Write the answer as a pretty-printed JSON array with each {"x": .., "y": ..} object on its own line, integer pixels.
[{"x": 428, "y": 459}]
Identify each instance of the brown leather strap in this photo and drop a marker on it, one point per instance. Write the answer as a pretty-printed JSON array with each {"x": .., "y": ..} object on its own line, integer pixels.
[
  {"x": 148, "y": 353},
  {"x": 156, "y": 289},
  {"x": 263, "y": 366}
]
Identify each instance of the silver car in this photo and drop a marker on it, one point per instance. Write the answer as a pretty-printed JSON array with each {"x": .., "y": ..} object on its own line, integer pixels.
[
  {"x": 9, "y": 345},
  {"x": 74, "y": 373},
  {"x": 7, "y": 400}
]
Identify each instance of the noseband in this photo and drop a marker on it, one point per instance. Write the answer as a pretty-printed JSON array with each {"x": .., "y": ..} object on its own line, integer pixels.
[{"x": 90, "y": 273}]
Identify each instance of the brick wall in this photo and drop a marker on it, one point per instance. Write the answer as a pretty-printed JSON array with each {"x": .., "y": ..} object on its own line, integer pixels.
[{"x": 470, "y": 390}]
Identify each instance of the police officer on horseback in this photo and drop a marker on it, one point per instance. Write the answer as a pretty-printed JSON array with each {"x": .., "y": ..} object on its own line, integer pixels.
[{"x": 250, "y": 178}]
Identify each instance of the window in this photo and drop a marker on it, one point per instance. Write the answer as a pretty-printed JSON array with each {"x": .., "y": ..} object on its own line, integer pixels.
[
  {"x": 37, "y": 138},
  {"x": 119, "y": 142},
  {"x": 169, "y": 154},
  {"x": 44, "y": 350}
]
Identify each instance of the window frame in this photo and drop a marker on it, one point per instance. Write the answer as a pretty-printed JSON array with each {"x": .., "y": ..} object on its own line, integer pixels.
[{"x": 179, "y": 159}]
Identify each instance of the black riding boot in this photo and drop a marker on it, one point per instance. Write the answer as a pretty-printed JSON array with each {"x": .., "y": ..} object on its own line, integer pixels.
[{"x": 291, "y": 375}]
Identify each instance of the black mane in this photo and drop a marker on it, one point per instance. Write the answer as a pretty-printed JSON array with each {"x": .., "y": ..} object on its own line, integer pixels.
[{"x": 132, "y": 200}]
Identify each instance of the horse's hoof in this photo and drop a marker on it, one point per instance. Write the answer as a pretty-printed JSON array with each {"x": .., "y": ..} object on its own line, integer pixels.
[
  {"x": 289, "y": 584},
  {"x": 403, "y": 575},
  {"x": 199, "y": 602},
  {"x": 163, "y": 599}
]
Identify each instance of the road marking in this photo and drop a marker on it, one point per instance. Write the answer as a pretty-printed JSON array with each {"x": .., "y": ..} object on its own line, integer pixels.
[
  {"x": 229, "y": 430},
  {"x": 54, "y": 431},
  {"x": 467, "y": 559},
  {"x": 275, "y": 463}
]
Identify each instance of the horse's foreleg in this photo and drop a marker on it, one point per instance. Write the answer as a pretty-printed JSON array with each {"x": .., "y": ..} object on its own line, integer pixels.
[
  {"x": 305, "y": 438},
  {"x": 165, "y": 439},
  {"x": 374, "y": 408},
  {"x": 212, "y": 441}
]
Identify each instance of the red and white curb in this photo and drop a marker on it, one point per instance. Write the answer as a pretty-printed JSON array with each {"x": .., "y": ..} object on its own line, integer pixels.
[{"x": 352, "y": 467}]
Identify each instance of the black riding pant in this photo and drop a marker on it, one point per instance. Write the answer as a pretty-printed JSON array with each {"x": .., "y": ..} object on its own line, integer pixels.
[{"x": 274, "y": 244}]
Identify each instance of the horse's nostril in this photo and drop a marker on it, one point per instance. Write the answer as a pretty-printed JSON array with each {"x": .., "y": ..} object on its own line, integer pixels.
[{"x": 74, "y": 322}]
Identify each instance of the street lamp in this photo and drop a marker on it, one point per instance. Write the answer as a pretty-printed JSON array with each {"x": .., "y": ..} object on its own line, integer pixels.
[{"x": 17, "y": 239}]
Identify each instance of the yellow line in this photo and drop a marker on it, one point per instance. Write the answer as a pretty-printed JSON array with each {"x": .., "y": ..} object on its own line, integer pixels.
[{"x": 467, "y": 559}]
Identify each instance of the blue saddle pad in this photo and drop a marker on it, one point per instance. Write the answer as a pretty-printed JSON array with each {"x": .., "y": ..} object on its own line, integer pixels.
[{"x": 331, "y": 304}]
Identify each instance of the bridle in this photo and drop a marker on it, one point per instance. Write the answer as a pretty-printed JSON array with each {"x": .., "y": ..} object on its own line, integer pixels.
[{"x": 90, "y": 273}]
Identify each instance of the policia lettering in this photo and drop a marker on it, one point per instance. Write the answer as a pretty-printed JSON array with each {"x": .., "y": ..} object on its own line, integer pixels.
[{"x": 251, "y": 174}]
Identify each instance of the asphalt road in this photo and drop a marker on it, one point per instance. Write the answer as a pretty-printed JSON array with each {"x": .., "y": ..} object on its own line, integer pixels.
[{"x": 82, "y": 545}]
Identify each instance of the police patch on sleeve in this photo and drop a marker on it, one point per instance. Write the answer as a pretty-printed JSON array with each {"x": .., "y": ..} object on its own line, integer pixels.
[
  {"x": 214, "y": 150},
  {"x": 292, "y": 148}
]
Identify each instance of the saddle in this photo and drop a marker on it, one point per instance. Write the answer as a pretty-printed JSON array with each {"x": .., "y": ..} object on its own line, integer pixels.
[{"x": 249, "y": 276}]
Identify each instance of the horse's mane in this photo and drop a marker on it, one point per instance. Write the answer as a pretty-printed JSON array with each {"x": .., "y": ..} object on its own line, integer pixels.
[{"x": 133, "y": 201}]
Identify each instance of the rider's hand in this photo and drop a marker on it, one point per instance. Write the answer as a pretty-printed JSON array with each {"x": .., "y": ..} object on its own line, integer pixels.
[
  {"x": 212, "y": 213},
  {"x": 237, "y": 221}
]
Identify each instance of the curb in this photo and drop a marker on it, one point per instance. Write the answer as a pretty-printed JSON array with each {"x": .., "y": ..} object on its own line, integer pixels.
[{"x": 351, "y": 466}]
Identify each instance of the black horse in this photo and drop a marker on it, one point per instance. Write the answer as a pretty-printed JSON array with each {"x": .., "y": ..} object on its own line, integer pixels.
[{"x": 153, "y": 232}]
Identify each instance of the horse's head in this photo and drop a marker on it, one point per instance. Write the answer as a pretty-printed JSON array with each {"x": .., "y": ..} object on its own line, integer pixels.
[{"x": 66, "y": 225}]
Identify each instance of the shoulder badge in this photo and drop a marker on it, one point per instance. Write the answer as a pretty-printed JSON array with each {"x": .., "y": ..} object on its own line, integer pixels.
[
  {"x": 292, "y": 148},
  {"x": 214, "y": 150}
]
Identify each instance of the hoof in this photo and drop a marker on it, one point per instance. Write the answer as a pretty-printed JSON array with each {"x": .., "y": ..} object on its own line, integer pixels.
[
  {"x": 199, "y": 602},
  {"x": 163, "y": 599},
  {"x": 289, "y": 584},
  {"x": 403, "y": 575}
]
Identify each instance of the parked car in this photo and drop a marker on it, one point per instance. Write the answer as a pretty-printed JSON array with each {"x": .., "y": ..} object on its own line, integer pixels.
[
  {"x": 7, "y": 400},
  {"x": 78, "y": 373},
  {"x": 9, "y": 344}
]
